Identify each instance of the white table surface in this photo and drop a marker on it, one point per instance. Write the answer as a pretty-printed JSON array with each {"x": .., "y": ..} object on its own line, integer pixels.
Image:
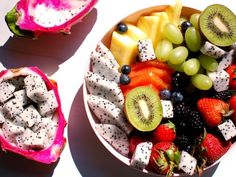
[{"x": 64, "y": 58}]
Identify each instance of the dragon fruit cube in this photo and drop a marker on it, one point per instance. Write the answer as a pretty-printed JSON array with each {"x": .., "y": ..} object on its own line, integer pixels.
[
  {"x": 35, "y": 88},
  {"x": 21, "y": 96},
  {"x": 49, "y": 105},
  {"x": 34, "y": 140},
  {"x": 12, "y": 108},
  {"x": 227, "y": 129},
  {"x": 6, "y": 91},
  {"x": 187, "y": 163},
  {"x": 220, "y": 80},
  {"x": 141, "y": 155},
  {"x": 30, "y": 115},
  {"x": 9, "y": 129},
  {"x": 145, "y": 50},
  {"x": 167, "y": 109}
]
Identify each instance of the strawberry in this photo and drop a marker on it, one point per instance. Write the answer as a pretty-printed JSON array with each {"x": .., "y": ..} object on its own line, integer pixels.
[
  {"x": 214, "y": 148},
  {"x": 164, "y": 132},
  {"x": 232, "y": 104},
  {"x": 231, "y": 70},
  {"x": 212, "y": 110},
  {"x": 164, "y": 158},
  {"x": 133, "y": 142}
]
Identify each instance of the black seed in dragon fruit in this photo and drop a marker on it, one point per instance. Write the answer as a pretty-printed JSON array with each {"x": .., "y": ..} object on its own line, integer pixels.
[
  {"x": 220, "y": 80},
  {"x": 35, "y": 88},
  {"x": 141, "y": 155},
  {"x": 145, "y": 50},
  {"x": 100, "y": 86},
  {"x": 49, "y": 105},
  {"x": 187, "y": 163},
  {"x": 212, "y": 50},
  {"x": 30, "y": 115},
  {"x": 227, "y": 129},
  {"x": 12, "y": 108},
  {"x": 109, "y": 113},
  {"x": 115, "y": 137},
  {"x": 6, "y": 91},
  {"x": 104, "y": 67},
  {"x": 167, "y": 109}
]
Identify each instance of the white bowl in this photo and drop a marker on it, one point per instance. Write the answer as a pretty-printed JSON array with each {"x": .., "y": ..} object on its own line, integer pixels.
[{"x": 186, "y": 12}]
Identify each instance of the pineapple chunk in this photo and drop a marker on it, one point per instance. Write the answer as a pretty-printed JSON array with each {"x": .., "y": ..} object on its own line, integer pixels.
[
  {"x": 123, "y": 48},
  {"x": 150, "y": 26},
  {"x": 135, "y": 33},
  {"x": 174, "y": 12}
]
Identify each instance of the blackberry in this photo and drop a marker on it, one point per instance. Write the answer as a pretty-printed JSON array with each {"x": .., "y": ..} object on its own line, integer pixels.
[
  {"x": 181, "y": 124},
  {"x": 223, "y": 95},
  {"x": 181, "y": 109},
  {"x": 195, "y": 123},
  {"x": 184, "y": 143},
  {"x": 180, "y": 81}
]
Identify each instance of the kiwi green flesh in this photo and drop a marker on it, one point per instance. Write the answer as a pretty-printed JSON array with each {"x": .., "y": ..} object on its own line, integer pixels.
[
  {"x": 218, "y": 24},
  {"x": 143, "y": 108}
]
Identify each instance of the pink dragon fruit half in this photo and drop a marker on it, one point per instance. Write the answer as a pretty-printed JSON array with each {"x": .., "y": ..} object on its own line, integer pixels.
[
  {"x": 47, "y": 130},
  {"x": 32, "y": 17}
]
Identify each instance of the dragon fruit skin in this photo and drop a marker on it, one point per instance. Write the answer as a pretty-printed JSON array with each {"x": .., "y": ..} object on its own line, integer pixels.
[
  {"x": 32, "y": 15},
  {"x": 52, "y": 153}
]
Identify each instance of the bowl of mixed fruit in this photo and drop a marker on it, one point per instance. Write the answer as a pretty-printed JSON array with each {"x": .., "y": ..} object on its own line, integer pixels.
[{"x": 159, "y": 90}]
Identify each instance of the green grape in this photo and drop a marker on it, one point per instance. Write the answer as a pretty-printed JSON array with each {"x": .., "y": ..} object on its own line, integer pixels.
[
  {"x": 194, "y": 20},
  {"x": 208, "y": 63},
  {"x": 201, "y": 81},
  {"x": 163, "y": 50},
  {"x": 179, "y": 67},
  {"x": 191, "y": 66},
  {"x": 193, "y": 39},
  {"x": 178, "y": 55},
  {"x": 201, "y": 70},
  {"x": 173, "y": 33}
]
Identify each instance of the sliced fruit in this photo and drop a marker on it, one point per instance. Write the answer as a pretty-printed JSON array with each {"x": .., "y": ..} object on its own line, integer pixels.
[
  {"x": 123, "y": 48},
  {"x": 143, "y": 108},
  {"x": 174, "y": 12},
  {"x": 217, "y": 23},
  {"x": 135, "y": 33}
]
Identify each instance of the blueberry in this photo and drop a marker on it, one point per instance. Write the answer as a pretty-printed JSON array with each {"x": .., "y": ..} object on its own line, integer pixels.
[
  {"x": 185, "y": 25},
  {"x": 124, "y": 79},
  {"x": 165, "y": 94},
  {"x": 177, "y": 97},
  {"x": 125, "y": 69},
  {"x": 122, "y": 27}
]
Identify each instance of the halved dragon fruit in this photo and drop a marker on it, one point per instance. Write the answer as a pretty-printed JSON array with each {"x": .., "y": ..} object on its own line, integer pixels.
[
  {"x": 27, "y": 131},
  {"x": 33, "y": 17}
]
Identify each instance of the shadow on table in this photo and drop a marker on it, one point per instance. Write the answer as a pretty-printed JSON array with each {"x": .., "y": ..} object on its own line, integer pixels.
[
  {"x": 12, "y": 165},
  {"x": 50, "y": 50},
  {"x": 89, "y": 155}
]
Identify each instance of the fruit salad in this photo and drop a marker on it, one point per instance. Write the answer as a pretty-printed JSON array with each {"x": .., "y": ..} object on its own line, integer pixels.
[{"x": 162, "y": 89}]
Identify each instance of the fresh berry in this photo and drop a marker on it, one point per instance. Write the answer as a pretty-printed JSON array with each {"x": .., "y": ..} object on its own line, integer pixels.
[
  {"x": 124, "y": 79},
  {"x": 232, "y": 104},
  {"x": 177, "y": 97},
  {"x": 165, "y": 94},
  {"x": 133, "y": 142},
  {"x": 181, "y": 109},
  {"x": 223, "y": 95},
  {"x": 164, "y": 133},
  {"x": 195, "y": 123},
  {"x": 184, "y": 143},
  {"x": 180, "y": 81},
  {"x": 181, "y": 124},
  {"x": 122, "y": 27},
  {"x": 125, "y": 69},
  {"x": 164, "y": 157},
  {"x": 212, "y": 110},
  {"x": 185, "y": 25},
  {"x": 214, "y": 148},
  {"x": 231, "y": 70}
]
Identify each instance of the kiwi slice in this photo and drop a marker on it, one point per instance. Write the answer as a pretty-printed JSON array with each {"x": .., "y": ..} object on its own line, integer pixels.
[
  {"x": 218, "y": 24},
  {"x": 143, "y": 108}
]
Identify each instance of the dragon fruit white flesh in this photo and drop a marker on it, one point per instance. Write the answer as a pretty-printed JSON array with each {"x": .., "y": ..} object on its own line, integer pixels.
[
  {"x": 100, "y": 86},
  {"x": 167, "y": 109},
  {"x": 220, "y": 80},
  {"x": 141, "y": 155},
  {"x": 115, "y": 137},
  {"x": 227, "y": 129},
  {"x": 212, "y": 50},
  {"x": 29, "y": 126},
  {"x": 145, "y": 50},
  {"x": 226, "y": 61},
  {"x": 187, "y": 163},
  {"x": 32, "y": 17},
  {"x": 108, "y": 113}
]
